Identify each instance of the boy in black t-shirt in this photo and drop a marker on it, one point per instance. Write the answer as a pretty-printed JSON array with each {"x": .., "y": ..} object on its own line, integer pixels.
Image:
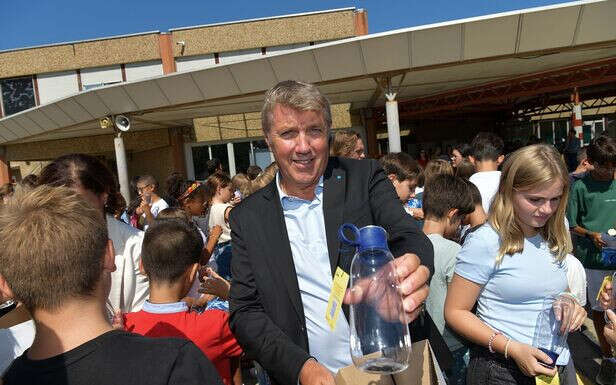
[{"x": 57, "y": 260}]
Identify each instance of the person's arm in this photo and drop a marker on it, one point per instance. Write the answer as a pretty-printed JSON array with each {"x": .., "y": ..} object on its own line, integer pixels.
[
  {"x": 461, "y": 297},
  {"x": 594, "y": 236},
  {"x": 575, "y": 205},
  {"x": 147, "y": 210},
  {"x": 260, "y": 338},
  {"x": 212, "y": 241}
]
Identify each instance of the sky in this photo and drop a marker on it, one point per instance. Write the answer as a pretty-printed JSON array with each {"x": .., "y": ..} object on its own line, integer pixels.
[{"x": 28, "y": 23}]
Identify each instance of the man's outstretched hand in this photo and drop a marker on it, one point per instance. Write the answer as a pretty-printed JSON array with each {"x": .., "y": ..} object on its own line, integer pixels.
[
  {"x": 413, "y": 287},
  {"x": 313, "y": 373}
]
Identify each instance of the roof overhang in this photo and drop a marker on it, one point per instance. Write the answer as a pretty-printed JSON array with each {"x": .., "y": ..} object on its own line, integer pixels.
[{"x": 419, "y": 61}]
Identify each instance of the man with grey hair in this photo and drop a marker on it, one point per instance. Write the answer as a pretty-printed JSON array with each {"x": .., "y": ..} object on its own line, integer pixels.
[{"x": 286, "y": 250}]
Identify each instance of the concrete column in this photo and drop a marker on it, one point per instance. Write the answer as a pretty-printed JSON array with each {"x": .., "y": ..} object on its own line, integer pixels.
[
  {"x": 231, "y": 156},
  {"x": 393, "y": 123},
  {"x": 5, "y": 168},
  {"x": 120, "y": 154}
]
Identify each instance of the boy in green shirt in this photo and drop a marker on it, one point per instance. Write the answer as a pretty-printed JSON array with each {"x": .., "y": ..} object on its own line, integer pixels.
[{"x": 591, "y": 210}]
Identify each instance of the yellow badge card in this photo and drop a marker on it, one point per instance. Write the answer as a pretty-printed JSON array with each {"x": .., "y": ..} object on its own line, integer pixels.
[
  {"x": 545, "y": 380},
  {"x": 341, "y": 280},
  {"x": 605, "y": 281}
]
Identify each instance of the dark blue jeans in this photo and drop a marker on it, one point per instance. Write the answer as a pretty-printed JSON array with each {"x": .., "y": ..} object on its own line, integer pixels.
[{"x": 486, "y": 368}]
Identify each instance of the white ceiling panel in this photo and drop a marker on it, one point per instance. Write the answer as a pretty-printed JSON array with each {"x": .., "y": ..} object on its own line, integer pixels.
[
  {"x": 548, "y": 29},
  {"x": 298, "y": 66},
  {"x": 491, "y": 37},
  {"x": 16, "y": 128},
  {"x": 6, "y": 132},
  {"x": 93, "y": 103},
  {"x": 74, "y": 110},
  {"x": 116, "y": 99},
  {"x": 180, "y": 89},
  {"x": 42, "y": 120},
  {"x": 57, "y": 115},
  {"x": 387, "y": 53},
  {"x": 340, "y": 61},
  {"x": 28, "y": 124},
  {"x": 598, "y": 23},
  {"x": 216, "y": 82},
  {"x": 244, "y": 73},
  {"x": 436, "y": 46},
  {"x": 146, "y": 95}
]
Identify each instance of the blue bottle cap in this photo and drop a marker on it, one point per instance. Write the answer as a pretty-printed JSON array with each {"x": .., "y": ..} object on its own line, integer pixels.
[{"x": 372, "y": 237}]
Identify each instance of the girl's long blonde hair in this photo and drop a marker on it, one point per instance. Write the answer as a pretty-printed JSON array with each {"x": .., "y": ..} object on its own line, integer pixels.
[{"x": 523, "y": 170}]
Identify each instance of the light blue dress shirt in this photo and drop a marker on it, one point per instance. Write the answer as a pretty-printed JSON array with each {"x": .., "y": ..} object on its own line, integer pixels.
[{"x": 306, "y": 229}]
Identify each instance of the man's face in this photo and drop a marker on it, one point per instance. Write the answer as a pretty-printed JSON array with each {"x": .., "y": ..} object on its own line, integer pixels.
[{"x": 299, "y": 142}]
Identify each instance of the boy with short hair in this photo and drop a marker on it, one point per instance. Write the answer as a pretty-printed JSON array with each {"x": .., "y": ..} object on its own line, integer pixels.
[
  {"x": 446, "y": 201},
  {"x": 591, "y": 211},
  {"x": 583, "y": 166},
  {"x": 170, "y": 258},
  {"x": 57, "y": 260},
  {"x": 403, "y": 172},
  {"x": 487, "y": 157}
]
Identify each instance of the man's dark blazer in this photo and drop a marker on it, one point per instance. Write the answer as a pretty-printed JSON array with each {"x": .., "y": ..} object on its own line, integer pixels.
[{"x": 267, "y": 315}]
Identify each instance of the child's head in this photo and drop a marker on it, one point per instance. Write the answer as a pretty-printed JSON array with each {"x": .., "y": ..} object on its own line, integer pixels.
[
  {"x": 465, "y": 169},
  {"x": 242, "y": 183},
  {"x": 487, "y": 150},
  {"x": 173, "y": 213},
  {"x": 170, "y": 253},
  {"x": 219, "y": 184},
  {"x": 191, "y": 196},
  {"x": 582, "y": 159},
  {"x": 447, "y": 199},
  {"x": 147, "y": 186},
  {"x": 55, "y": 249},
  {"x": 403, "y": 172},
  {"x": 531, "y": 198},
  {"x": 348, "y": 144},
  {"x": 253, "y": 171},
  {"x": 436, "y": 167},
  {"x": 264, "y": 178},
  {"x": 602, "y": 156},
  {"x": 459, "y": 153}
]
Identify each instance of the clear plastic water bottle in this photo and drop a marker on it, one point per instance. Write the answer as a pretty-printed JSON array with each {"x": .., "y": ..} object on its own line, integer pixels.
[
  {"x": 553, "y": 324},
  {"x": 380, "y": 338}
]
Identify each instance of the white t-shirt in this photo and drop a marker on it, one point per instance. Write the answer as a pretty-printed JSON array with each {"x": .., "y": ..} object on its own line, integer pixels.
[
  {"x": 217, "y": 217},
  {"x": 158, "y": 206},
  {"x": 129, "y": 288},
  {"x": 576, "y": 277},
  {"x": 487, "y": 182},
  {"x": 14, "y": 341}
]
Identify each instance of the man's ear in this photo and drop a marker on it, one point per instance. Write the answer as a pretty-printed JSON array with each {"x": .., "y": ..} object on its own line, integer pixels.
[
  {"x": 500, "y": 159},
  {"x": 5, "y": 290},
  {"x": 392, "y": 177},
  {"x": 109, "y": 257}
]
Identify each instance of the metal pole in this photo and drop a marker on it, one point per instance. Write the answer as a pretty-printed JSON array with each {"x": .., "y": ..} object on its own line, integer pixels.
[
  {"x": 393, "y": 123},
  {"x": 120, "y": 154}
]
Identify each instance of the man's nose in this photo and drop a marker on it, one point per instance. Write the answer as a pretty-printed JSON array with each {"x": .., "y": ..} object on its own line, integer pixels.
[{"x": 303, "y": 143}]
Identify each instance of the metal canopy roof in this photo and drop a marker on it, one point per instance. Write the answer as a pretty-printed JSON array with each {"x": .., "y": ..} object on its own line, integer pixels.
[{"x": 421, "y": 61}]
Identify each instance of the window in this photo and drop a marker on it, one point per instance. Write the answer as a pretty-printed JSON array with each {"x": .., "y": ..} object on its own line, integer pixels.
[{"x": 17, "y": 95}]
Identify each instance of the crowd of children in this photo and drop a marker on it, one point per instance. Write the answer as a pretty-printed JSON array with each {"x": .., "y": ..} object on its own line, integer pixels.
[{"x": 507, "y": 232}]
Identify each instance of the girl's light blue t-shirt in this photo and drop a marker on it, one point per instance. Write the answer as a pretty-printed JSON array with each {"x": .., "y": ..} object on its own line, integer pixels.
[{"x": 513, "y": 293}]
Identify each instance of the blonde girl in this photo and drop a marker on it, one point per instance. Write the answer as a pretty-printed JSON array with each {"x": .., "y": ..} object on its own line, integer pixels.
[{"x": 509, "y": 267}]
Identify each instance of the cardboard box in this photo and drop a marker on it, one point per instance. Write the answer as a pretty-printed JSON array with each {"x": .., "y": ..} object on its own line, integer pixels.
[{"x": 423, "y": 369}]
